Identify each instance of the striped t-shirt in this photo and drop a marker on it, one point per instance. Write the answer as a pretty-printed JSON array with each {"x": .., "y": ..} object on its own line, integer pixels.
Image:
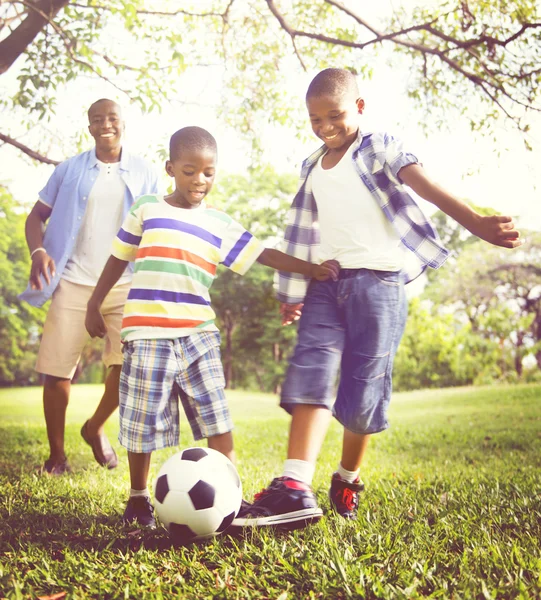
[{"x": 176, "y": 252}]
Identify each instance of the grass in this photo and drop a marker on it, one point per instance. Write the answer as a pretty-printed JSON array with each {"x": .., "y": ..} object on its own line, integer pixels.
[{"x": 452, "y": 509}]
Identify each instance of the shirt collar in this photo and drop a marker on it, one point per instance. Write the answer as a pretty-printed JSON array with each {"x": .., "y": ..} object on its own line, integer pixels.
[
  {"x": 124, "y": 159},
  {"x": 314, "y": 157}
]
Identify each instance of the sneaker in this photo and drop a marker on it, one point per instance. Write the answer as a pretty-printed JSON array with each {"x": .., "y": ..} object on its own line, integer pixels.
[
  {"x": 286, "y": 503},
  {"x": 56, "y": 468},
  {"x": 140, "y": 510},
  {"x": 344, "y": 496}
]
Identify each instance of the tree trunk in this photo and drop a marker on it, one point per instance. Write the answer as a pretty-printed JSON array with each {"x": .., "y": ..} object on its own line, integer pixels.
[{"x": 40, "y": 12}]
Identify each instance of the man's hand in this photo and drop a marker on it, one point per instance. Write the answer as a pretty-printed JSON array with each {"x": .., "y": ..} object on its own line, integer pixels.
[
  {"x": 290, "y": 312},
  {"x": 497, "y": 230},
  {"x": 94, "y": 323},
  {"x": 42, "y": 264},
  {"x": 327, "y": 270}
]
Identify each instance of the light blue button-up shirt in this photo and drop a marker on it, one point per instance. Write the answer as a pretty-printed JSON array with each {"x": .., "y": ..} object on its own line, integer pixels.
[{"x": 67, "y": 194}]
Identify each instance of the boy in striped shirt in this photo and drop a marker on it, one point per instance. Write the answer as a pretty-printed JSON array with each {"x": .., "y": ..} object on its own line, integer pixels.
[{"x": 171, "y": 343}]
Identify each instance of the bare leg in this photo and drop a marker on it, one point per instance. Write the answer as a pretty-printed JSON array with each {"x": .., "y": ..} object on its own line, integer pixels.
[
  {"x": 139, "y": 468},
  {"x": 308, "y": 428},
  {"x": 108, "y": 403},
  {"x": 224, "y": 444},
  {"x": 353, "y": 449},
  {"x": 56, "y": 392}
]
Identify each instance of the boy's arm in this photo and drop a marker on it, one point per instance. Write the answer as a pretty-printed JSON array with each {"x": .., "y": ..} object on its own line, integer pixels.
[
  {"x": 94, "y": 323},
  {"x": 42, "y": 263},
  {"x": 283, "y": 262},
  {"x": 495, "y": 229}
]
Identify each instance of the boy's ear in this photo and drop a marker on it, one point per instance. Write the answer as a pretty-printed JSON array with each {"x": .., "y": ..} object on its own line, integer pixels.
[
  {"x": 169, "y": 168},
  {"x": 360, "y": 105}
]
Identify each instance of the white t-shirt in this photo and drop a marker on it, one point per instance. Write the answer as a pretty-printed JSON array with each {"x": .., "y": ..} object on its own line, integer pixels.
[
  {"x": 99, "y": 226},
  {"x": 353, "y": 228}
]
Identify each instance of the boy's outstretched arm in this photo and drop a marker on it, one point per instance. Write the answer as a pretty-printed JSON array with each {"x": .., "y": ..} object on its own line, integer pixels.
[
  {"x": 94, "y": 323},
  {"x": 497, "y": 230},
  {"x": 283, "y": 262}
]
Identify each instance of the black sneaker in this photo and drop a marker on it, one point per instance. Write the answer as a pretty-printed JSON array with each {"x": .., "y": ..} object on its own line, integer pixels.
[
  {"x": 286, "y": 503},
  {"x": 52, "y": 467},
  {"x": 140, "y": 510},
  {"x": 344, "y": 496}
]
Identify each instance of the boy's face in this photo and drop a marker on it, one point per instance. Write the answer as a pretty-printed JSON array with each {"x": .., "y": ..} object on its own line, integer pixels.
[
  {"x": 335, "y": 119},
  {"x": 193, "y": 172},
  {"x": 106, "y": 125}
]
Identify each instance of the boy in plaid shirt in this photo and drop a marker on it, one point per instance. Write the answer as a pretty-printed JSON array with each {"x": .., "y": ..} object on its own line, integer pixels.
[
  {"x": 351, "y": 207},
  {"x": 171, "y": 343}
]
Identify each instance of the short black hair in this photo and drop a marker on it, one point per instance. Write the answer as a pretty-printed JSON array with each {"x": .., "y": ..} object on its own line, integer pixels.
[
  {"x": 333, "y": 82},
  {"x": 99, "y": 102},
  {"x": 191, "y": 138}
]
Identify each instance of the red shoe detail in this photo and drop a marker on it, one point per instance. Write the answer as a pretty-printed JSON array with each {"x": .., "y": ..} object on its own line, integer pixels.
[
  {"x": 348, "y": 498},
  {"x": 293, "y": 484}
]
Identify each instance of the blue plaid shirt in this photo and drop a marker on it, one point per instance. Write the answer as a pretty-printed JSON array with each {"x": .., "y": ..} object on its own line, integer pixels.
[{"x": 377, "y": 157}]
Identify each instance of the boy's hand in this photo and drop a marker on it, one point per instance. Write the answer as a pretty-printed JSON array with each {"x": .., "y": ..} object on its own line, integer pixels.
[
  {"x": 94, "y": 323},
  {"x": 326, "y": 270},
  {"x": 497, "y": 230},
  {"x": 290, "y": 312},
  {"x": 42, "y": 264}
]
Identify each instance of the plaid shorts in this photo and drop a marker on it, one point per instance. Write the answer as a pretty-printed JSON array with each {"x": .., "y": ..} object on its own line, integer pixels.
[{"x": 155, "y": 375}]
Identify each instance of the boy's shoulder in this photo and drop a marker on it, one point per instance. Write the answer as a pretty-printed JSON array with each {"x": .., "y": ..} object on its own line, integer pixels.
[
  {"x": 145, "y": 199},
  {"x": 217, "y": 214}
]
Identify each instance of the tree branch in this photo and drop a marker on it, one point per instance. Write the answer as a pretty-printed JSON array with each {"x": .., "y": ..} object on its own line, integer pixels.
[
  {"x": 28, "y": 151},
  {"x": 23, "y": 35}
]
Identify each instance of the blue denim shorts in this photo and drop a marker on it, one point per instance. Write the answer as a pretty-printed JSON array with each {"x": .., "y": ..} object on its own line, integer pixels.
[
  {"x": 156, "y": 375},
  {"x": 349, "y": 332}
]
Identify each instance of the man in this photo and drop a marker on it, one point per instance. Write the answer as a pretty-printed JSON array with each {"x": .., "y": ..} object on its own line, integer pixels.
[{"x": 84, "y": 203}]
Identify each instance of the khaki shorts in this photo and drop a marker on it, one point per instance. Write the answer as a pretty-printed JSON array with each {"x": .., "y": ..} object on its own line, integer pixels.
[{"x": 64, "y": 334}]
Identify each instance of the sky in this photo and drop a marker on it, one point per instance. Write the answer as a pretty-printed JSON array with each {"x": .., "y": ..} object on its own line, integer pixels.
[{"x": 502, "y": 175}]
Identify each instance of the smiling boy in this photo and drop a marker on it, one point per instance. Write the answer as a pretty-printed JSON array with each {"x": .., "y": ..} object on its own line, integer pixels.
[
  {"x": 352, "y": 207},
  {"x": 171, "y": 342},
  {"x": 83, "y": 204}
]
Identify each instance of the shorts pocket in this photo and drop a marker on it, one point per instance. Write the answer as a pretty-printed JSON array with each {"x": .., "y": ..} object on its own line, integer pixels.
[{"x": 387, "y": 277}]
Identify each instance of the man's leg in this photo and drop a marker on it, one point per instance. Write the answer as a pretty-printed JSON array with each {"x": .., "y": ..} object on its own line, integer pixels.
[
  {"x": 92, "y": 431},
  {"x": 108, "y": 403},
  {"x": 56, "y": 391}
]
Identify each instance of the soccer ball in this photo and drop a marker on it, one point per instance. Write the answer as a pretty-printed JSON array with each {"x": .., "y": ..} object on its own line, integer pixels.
[{"x": 197, "y": 494}]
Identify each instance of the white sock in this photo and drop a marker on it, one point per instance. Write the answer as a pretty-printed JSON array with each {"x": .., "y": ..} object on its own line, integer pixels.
[
  {"x": 349, "y": 476},
  {"x": 144, "y": 493},
  {"x": 301, "y": 470}
]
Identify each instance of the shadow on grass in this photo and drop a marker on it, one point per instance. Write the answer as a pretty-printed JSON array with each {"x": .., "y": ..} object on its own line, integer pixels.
[{"x": 55, "y": 534}]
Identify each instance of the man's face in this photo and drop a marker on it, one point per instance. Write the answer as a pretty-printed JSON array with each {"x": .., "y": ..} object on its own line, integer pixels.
[
  {"x": 106, "y": 125},
  {"x": 194, "y": 172},
  {"x": 335, "y": 119}
]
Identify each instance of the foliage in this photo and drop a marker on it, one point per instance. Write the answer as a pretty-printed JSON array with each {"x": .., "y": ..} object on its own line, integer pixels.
[
  {"x": 452, "y": 509},
  {"x": 499, "y": 293},
  {"x": 437, "y": 350},
  {"x": 255, "y": 344},
  {"x": 20, "y": 323},
  {"x": 460, "y": 55}
]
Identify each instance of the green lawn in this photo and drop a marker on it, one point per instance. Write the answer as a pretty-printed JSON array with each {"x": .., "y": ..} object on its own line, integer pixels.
[{"x": 452, "y": 509}]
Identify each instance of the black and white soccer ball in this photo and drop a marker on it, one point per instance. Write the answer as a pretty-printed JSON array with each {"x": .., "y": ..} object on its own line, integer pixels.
[{"x": 197, "y": 494}]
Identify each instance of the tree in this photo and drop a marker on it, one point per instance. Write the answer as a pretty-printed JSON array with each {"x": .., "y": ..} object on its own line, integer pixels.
[
  {"x": 20, "y": 323},
  {"x": 245, "y": 306},
  {"x": 457, "y": 52},
  {"x": 499, "y": 293}
]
